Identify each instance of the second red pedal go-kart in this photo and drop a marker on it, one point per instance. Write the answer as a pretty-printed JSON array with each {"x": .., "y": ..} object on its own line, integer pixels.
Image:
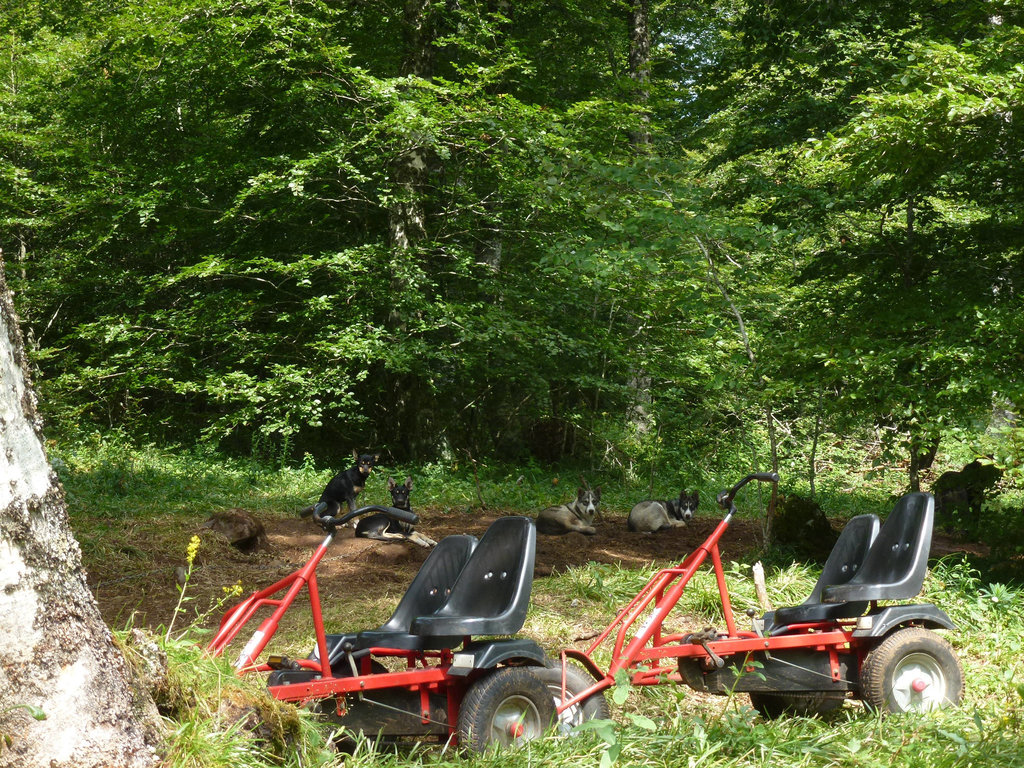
[{"x": 449, "y": 666}]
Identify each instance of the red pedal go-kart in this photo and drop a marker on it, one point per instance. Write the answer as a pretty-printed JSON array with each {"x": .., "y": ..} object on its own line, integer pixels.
[{"x": 462, "y": 674}]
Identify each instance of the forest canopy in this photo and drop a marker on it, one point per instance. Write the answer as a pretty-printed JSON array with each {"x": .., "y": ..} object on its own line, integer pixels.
[{"x": 621, "y": 230}]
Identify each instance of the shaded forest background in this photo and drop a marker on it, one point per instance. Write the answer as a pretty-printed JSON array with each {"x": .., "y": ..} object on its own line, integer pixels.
[{"x": 612, "y": 234}]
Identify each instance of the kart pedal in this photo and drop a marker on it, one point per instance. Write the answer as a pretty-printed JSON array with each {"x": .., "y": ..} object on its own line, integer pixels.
[
  {"x": 282, "y": 662},
  {"x": 702, "y": 639}
]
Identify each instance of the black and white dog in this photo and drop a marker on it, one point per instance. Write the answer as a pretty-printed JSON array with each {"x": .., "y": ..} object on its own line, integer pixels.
[
  {"x": 383, "y": 528},
  {"x": 577, "y": 515},
  {"x": 653, "y": 516}
]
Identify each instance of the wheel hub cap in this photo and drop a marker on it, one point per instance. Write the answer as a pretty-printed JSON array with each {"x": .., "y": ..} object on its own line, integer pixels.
[
  {"x": 918, "y": 683},
  {"x": 515, "y": 719}
]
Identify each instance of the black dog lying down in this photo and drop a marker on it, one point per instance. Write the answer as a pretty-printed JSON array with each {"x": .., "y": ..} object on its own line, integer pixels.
[{"x": 384, "y": 528}]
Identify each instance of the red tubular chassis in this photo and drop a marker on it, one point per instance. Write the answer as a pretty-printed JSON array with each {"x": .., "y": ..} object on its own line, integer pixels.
[
  {"x": 440, "y": 682},
  {"x": 805, "y": 659}
]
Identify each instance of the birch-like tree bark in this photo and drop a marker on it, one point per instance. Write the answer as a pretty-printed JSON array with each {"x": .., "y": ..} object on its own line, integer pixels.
[{"x": 57, "y": 657}]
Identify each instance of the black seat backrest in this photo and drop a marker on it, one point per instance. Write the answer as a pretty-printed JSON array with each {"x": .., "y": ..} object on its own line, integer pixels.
[
  {"x": 897, "y": 562},
  {"x": 433, "y": 583},
  {"x": 847, "y": 556},
  {"x": 492, "y": 594}
]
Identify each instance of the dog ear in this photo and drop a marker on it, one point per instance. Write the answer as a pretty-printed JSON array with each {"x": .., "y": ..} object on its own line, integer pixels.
[
  {"x": 391, "y": 483},
  {"x": 408, "y": 482},
  {"x": 355, "y": 454}
]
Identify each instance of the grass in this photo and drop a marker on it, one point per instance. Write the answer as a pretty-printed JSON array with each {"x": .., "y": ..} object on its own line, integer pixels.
[
  {"x": 672, "y": 726},
  {"x": 110, "y": 484}
]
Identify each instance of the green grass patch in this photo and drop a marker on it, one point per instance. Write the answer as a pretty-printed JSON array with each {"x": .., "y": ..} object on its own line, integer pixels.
[{"x": 111, "y": 484}]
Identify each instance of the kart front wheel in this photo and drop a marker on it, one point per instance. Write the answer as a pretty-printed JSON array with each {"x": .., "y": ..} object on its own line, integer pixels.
[
  {"x": 507, "y": 708},
  {"x": 911, "y": 670},
  {"x": 594, "y": 707}
]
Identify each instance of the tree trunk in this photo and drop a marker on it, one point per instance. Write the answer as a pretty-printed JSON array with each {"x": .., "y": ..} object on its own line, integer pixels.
[
  {"x": 640, "y": 68},
  {"x": 407, "y": 226},
  {"x": 406, "y": 217},
  {"x": 57, "y": 654},
  {"x": 922, "y": 456},
  {"x": 773, "y": 441}
]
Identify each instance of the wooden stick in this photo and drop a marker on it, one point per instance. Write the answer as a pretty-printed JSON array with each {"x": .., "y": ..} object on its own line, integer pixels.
[{"x": 760, "y": 588}]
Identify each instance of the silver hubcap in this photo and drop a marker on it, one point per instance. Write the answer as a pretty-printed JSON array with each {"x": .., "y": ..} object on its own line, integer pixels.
[
  {"x": 918, "y": 684},
  {"x": 516, "y": 719}
]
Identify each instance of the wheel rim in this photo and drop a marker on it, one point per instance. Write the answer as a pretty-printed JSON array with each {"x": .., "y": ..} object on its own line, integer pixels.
[
  {"x": 569, "y": 719},
  {"x": 918, "y": 684},
  {"x": 515, "y": 720}
]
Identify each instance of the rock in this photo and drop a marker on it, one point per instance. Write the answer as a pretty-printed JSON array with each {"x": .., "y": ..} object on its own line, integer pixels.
[
  {"x": 959, "y": 495},
  {"x": 800, "y": 525}
]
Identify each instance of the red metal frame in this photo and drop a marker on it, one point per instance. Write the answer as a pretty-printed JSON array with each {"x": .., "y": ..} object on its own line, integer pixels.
[
  {"x": 637, "y": 643},
  {"x": 644, "y": 652},
  {"x": 426, "y": 671},
  {"x": 241, "y": 614}
]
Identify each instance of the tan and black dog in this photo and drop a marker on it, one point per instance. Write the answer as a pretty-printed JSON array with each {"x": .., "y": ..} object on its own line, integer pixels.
[
  {"x": 384, "y": 528},
  {"x": 653, "y": 516},
  {"x": 346, "y": 485},
  {"x": 577, "y": 515}
]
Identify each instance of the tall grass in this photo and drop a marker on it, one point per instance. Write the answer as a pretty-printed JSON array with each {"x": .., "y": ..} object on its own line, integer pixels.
[{"x": 106, "y": 475}]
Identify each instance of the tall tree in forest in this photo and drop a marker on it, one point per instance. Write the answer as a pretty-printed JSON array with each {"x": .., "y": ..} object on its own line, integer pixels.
[
  {"x": 406, "y": 213},
  {"x": 640, "y": 66},
  {"x": 59, "y": 658}
]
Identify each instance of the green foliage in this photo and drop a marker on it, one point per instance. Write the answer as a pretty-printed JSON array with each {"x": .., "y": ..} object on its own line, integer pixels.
[
  {"x": 284, "y": 228},
  {"x": 289, "y": 229}
]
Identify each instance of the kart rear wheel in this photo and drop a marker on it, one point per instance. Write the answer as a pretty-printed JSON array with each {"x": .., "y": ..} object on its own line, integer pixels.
[
  {"x": 594, "y": 707},
  {"x": 506, "y": 708},
  {"x": 911, "y": 670},
  {"x": 771, "y": 705}
]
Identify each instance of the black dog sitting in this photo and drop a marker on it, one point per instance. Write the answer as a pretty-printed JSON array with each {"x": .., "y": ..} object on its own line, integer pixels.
[
  {"x": 383, "y": 527},
  {"x": 346, "y": 485}
]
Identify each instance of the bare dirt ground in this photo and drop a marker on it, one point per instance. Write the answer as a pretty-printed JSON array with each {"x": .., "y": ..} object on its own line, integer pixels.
[{"x": 133, "y": 574}]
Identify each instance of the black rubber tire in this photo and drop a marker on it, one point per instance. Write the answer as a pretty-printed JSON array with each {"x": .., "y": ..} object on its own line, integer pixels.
[
  {"x": 594, "y": 707},
  {"x": 505, "y": 708},
  {"x": 908, "y": 658},
  {"x": 773, "y": 705}
]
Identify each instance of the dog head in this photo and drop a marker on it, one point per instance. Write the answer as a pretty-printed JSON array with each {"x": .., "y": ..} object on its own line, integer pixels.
[
  {"x": 686, "y": 507},
  {"x": 365, "y": 462},
  {"x": 400, "y": 493},
  {"x": 588, "y": 499}
]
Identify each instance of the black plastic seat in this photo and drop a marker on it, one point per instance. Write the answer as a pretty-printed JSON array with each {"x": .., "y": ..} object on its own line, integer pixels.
[
  {"x": 897, "y": 562},
  {"x": 492, "y": 593},
  {"x": 844, "y": 562},
  {"x": 428, "y": 592}
]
